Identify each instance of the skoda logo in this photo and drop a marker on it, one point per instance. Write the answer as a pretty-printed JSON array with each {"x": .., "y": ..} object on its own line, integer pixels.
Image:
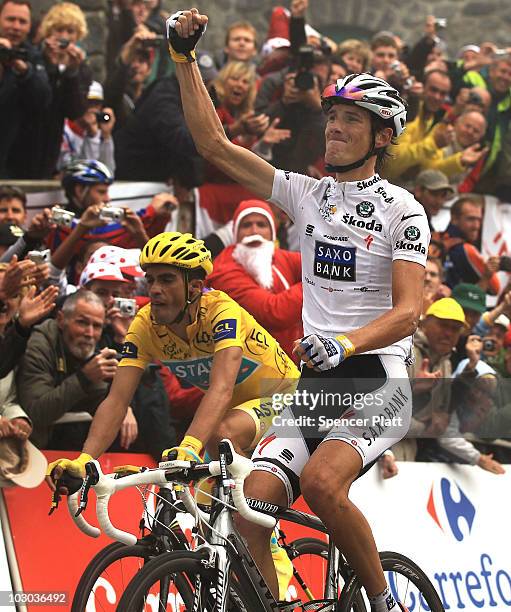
[
  {"x": 412, "y": 233},
  {"x": 365, "y": 209}
]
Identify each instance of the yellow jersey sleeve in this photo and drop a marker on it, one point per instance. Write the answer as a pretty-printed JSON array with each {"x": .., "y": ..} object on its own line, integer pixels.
[
  {"x": 136, "y": 348},
  {"x": 227, "y": 324}
]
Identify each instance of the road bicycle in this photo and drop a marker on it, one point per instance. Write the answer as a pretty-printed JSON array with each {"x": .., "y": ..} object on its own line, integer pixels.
[{"x": 219, "y": 574}]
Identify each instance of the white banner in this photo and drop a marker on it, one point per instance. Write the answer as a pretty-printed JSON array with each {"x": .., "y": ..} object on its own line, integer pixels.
[{"x": 453, "y": 521}]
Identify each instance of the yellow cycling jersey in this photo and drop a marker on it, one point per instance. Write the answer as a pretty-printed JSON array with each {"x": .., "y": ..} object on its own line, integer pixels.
[{"x": 221, "y": 323}]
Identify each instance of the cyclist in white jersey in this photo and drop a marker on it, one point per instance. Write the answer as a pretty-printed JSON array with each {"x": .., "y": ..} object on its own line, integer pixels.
[{"x": 364, "y": 244}]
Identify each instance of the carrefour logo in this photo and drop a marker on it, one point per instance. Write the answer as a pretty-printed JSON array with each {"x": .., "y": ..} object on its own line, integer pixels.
[{"x": 456, "y": 506}]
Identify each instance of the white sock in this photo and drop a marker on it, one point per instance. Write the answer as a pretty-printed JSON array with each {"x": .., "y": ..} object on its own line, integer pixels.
[{"x": 384, "y": 602}]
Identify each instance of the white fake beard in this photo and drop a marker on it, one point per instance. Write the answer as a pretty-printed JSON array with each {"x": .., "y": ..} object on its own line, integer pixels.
[{"x": 257, "y": 261}]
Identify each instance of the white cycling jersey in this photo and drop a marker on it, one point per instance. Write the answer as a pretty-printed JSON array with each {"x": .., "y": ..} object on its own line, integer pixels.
[{"x": 350, "y": 233}]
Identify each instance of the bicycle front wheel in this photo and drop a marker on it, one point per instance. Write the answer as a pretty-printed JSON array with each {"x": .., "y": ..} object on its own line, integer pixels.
[
  {"x": 408, "y": 583},
  {"x": 187, "y": 585},
  {"x": 107, "y": 575}
]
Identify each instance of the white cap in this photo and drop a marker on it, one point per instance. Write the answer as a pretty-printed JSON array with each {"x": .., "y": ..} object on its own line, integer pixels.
[
  {"x": 473, "y": 48},
  {"x": 21, "y": 462},
  {"x": 125, "y": 259},
  {"x": 502, "y": 320},
  {"x": 101, "y": 271},
  {"x": 274, "y": 43},
  {"x": 95, "y": 91}
]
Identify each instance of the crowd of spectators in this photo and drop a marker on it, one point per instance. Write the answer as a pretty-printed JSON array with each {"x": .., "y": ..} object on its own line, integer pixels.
[{"x": 69, "y": 279}]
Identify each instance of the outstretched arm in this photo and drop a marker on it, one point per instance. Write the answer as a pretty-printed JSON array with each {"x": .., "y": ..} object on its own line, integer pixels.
[{"x": 239, "y": 163}]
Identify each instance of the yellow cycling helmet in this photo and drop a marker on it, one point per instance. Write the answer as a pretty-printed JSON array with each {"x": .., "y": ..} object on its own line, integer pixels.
[{"x": 176, "y": 249}]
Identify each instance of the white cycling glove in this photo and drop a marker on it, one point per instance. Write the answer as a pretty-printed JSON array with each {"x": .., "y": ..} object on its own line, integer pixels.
[{"x": 326, "y": 353}]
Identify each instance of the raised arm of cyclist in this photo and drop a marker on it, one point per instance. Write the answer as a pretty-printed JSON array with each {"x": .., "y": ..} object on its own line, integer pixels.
[{"x": 246, "y": 168}]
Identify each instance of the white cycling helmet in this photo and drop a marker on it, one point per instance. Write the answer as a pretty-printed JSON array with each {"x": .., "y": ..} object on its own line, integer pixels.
[{"x": 371, "y": 93}]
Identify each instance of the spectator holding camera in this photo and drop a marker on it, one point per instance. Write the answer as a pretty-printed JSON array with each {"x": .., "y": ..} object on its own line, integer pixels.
[
  {"x": 24, "y": 85},
  {"x": 90, "y": 136},
  {"x": 461, "y": 160},
  {"x": 88, "y": 215},
  {"x": 62, "y": 378},
  {"x": 61, "y": 29}
]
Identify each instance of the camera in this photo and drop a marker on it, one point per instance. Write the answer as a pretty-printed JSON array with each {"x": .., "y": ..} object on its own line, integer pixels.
[
  {"x": 505, "y": 263},
  {"x": 396, "y": 69},
  {"x": 304, "y": 79},
  {"x": 8, "y": 55},
  {"x": 489, "y": 345},
  {"x": 441, "y": 22},
  {"x": 475, "y": 98},
  {"x": 39, "y": 257},
  {"x": 63, "y": 43},
  {"x": 112, "y": 213},
  {"x": 128, "y": 307},
  {"x": 61, "y": 217},
  {"x": 152, "y": 43},
  {"x": 501, "y": 52},
  {"x": 103, "y": 117}
]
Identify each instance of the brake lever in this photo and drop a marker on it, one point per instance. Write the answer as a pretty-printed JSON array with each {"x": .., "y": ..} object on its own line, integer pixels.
[{"x": 91, "y": 478}]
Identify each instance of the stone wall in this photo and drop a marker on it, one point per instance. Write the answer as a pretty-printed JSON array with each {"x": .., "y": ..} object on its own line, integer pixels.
[{"x": 469, "y": 21}]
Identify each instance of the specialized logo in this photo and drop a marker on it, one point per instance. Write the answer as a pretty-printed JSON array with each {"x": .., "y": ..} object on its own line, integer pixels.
[
  {"x": 331, "y": 289},
  {"x": 224, "y": 329},
  {"x": 334, "y": 262},
  {"x": 129, "y": 351},
  {"x": 309, "y": 229},
  {"x": 361, "y": 185},
  {"x": 264, "y": 443},
  {"x": 368, "y": 240},
  {"x": 406, "y": 217},
  {"x": 365, "y": 209},
  {"x": 412, "y": 233},
  {"x": 455, "y": 510},
  {"x": 197, "y": 371},
  {"x": 368, "y": 225}
]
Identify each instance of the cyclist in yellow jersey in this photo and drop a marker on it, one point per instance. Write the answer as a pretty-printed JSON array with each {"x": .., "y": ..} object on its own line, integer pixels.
[{"x": 205, "y": 338}]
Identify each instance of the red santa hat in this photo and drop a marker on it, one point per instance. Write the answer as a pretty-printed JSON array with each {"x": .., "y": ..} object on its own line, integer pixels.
[{"x": 248, "y": 207}]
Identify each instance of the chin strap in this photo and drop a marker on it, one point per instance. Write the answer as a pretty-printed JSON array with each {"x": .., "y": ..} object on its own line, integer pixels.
[{"x": 188, "y": 301}]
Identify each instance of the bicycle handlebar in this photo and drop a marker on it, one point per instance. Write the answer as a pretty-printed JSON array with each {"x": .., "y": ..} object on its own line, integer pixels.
[
  {"x": 81, "y": 523},
  {"x": 239, "y": 468}
]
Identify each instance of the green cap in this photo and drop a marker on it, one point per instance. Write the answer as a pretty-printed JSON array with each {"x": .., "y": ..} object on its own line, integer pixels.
[{"x": 471, "y": 297}]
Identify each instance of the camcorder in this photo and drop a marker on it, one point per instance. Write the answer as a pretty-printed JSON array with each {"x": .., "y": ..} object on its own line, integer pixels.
[
  {"x": 8, "y": 55},
  {"x": 61, "y": 217},
  {"x": 152, "y": 43},
  {"x": 127, "y": 306},
  {"x": 39, "y": 257},
  {"x": 102, "y": 117},
  {"x": 112, "y": 213}
]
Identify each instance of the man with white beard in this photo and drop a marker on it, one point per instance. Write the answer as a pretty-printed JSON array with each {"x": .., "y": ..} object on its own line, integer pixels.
[{"x": 260, "y": 276}]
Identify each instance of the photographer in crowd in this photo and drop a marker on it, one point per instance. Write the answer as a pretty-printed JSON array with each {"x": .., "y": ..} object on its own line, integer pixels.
[
  {"x": 90, "y": 136},
  {"x": 61, "y": 29},
  {"x": 24, "y": 86}
]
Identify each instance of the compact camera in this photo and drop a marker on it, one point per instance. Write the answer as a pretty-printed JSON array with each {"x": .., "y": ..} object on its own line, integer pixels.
[
  {"x": 8, "y": 54},
  {"x": 61, "y": 217},
  {"x": 505, "y": 263},
  {"x": 441, "y": 22},
  {"x": 128, "y": 307},
  {"x": 112, "y": 213},
  {"x": 489, "y": 345},
  {"x": 39, "y": 257},
  {"x": 63, "y": 43},
  {"x": 103, "y": 117},
  {"x": 304, "y": 79}
]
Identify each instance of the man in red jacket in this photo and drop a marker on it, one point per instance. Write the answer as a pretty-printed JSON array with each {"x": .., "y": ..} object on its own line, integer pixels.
[{"x": 261, "y": 277}]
